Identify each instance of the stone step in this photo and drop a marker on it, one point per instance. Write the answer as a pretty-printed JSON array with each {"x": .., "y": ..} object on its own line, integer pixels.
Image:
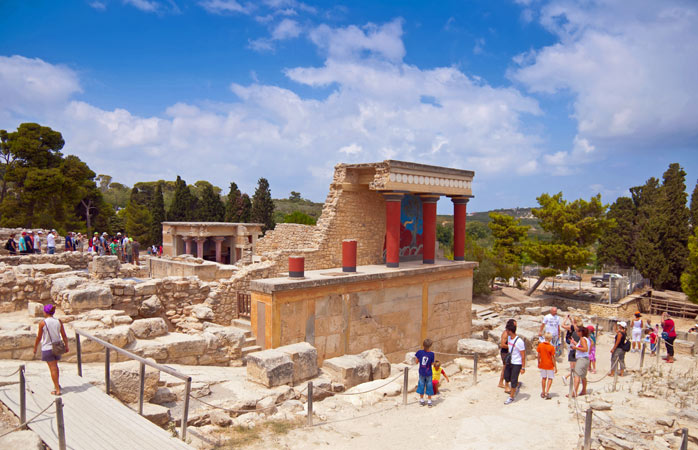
[
  {"x": 242, "y": 323},
  {"x": 251, "y": 349},
  {"x": 250, "y": 340}
]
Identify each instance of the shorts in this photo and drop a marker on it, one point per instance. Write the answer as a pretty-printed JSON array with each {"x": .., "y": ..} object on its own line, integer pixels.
[
  {"x": 51, "y": 250},
  {"x": 503, "y": 352},
  {"x": 637, "y": 334},
  {"x": 425, "y": 381},
  {"x": 592, "y": 354},
  {"x": 547, "y": 373},
  {"x": 48, "y": 356},
  {"x": 511, "y": 374},
  {"x": 653, "y": 347},
  {"x": 580, "y": 369},
  {"x": 572, "y": 356},
  {"x": 435, "y": 385}
]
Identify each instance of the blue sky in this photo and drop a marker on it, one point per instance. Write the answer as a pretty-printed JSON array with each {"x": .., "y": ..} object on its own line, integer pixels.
[{"x": 535, "y": 96}]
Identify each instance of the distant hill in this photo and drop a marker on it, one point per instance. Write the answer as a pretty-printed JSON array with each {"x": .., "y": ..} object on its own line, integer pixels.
[
  {"x": 283, "y": 206},
  {"x": 483, "y": 218}
]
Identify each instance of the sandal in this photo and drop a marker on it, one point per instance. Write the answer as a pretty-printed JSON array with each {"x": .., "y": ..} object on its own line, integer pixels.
[
  {"x": 542, "y": 395},
  {"x": 55, "y": 393}
]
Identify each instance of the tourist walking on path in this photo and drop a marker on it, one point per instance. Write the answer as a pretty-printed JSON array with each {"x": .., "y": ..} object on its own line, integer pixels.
[
  {"x": 582, "y": 365},
  {"x": 30, "y": 242},
  {"x": 23, "y": 243},
  {"x": 592, "y": 350},
  {"x": 516, "y": 363},
  {"x": 51, "y": 330},
  {"x": 653, "y": 340},
  {"x": 51, "y": 242},
  {"x": 504, "y": 351},
  {"x": 136, "y": 248},
  {"x": 425, "y": 359},
  {"x": 637, "y": 333},
  {"x": 546, "y": 364},
  {"x": 128, "y": 250},
  {"x": 571, "y": 325},
  {"x": 437, "y": 371},
  {"x": 618, "y": 350},
  {"x": 669, "y": 336},
  {"x": 37, "y": 241},
  {"x": 11, "y": 245},
  {"x": 551, "y": 324},
  {"x": 79, "y": 243}
]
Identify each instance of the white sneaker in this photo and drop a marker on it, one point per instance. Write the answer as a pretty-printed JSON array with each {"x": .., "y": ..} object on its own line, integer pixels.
[{"x": 509, "y": 401}]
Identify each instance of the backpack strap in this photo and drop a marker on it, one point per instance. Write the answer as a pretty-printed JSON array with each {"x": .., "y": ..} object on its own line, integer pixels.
[{"x": 47, "y": 331}]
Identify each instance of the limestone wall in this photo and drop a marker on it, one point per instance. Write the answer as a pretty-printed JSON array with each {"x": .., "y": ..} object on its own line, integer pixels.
[
  {"x": 6, "y": 232},
  {"x": 76, "y": 260},
  {"x": 356, "y": 213}
]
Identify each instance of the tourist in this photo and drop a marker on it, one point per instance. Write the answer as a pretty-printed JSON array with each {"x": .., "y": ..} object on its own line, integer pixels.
[
  {"x": 436, "y": 373},
  {"x": 68, "y": 242},
  {"x": 546, "y": 364},
  {"x": 30, "y": 242},
  {"x": 515, "y": 363},
  {"x": 425, "y": 359},
  {"x": 104, "y": 244},
  {"x": 23, "y": 243},
  {"x": 582, "y": 364},
  {"x": 571, "y": 325},
  {"x": 618, "y": 349},
  {"x": 636, "y": 333},
  {"x": 128, "y": 250},
  {"x": 79, "y": 243},
  {"x": 653, "y": 340},
  {"x": 160, "y": 251},
  {"x": 551, "y": 324},
  {"x": 11, "y": 245},
  {"x": 136, "y": 247},
  {"x": 114, "y": 247},
  {"x": 93, "y": 243},
  {"x": 504, "y": 351},
  {"x": 51, "y": 242},
  {"x": 592, "y": 351},
  {"x": 54, "y": 332},
  {"x": 37, "y": 241},
  {"x": 669, "y": 336}
]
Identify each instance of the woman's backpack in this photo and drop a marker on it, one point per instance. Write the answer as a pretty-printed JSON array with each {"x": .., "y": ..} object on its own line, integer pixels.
[{"x": 625, "y": 345}]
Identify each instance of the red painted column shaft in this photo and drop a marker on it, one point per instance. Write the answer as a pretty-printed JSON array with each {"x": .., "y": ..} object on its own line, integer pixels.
[
  {"x": 429, "y": 229},
  {"x": 349, "y": 255},
  {"x": 459, "y": 213},
  {"x": 392, "y": 229},
  {"x": 296, "y": 266}
]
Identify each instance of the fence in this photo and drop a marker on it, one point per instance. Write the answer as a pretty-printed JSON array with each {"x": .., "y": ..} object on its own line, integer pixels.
[
  {"x": 631, "y": 281},
  {"x": 244, "y": 305},
  {"x": 144, "y": 362}
]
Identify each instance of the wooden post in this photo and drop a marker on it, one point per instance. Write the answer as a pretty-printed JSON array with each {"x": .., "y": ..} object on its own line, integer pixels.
[
  {"x": 60, "y": 423},
  {"x": 642, "y": 355},
  {"x": 684, "y": 439},
  {"x": 106, "y": 370},
  {"x": 22, "y": 396},
  {"x": 78, "y": 349},
  {"x": 659, "y": 349},
  {"x": 475, "y": 358},
  {"x": 571, "y": 383},
  {"x": 310, "y": 403},
  {"x": 142, "y": 388},
  {"x": 404, "y": 387},
  {"x": 587, "y": 430},
  {"x": 615, "y": 379},
  {"x": 185, "y": 414}
]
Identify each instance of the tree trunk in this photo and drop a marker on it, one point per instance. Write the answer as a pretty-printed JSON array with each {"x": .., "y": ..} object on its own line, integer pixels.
[
  {"x": 535, "y": 286},
  {"x": 88, "y": 206}
]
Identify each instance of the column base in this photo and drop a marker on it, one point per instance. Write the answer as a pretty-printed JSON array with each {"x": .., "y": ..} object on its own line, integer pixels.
[
  {"x": 296, "y": 274},
  {"x": 392, "y": 265},
  {"x": 427, "y": 261},
  {"x": 348, "y": 269},
  {"x": 459, "y": 258}
]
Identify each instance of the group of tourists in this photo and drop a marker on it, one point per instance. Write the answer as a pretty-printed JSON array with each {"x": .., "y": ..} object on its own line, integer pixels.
[
  {"x": 121, "y": 246},
  {"x": 581, "y": 345},
  {"x": 30, "y": 242}
]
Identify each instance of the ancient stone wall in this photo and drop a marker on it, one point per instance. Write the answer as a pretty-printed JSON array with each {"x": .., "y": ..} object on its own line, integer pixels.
[
  {"x": 6, "y": 232},
  {"x": 356, "y": 213},
  {"x": 76, "y": 260}
]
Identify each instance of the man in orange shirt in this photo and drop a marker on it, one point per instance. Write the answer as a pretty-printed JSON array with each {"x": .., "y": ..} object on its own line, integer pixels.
[{"x": 547, "y": 365}]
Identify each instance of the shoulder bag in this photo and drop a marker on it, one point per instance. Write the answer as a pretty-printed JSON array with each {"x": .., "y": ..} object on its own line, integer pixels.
[{"x": 57, "y": 347}]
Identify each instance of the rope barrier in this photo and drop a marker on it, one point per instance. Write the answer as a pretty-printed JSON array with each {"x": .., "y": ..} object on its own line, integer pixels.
[
  {"x": 359, "y": 393},
  {"x": 9, "y": 375},
  {"x": 241, "y": 411},
  {"x": 22, "y": 425}
]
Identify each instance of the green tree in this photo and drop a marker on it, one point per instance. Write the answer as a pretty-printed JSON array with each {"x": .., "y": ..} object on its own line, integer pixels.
[
  {"x": 477, "y": 230},
  {"x": 262, "y": 205},
  {"x": 617, "y": 241},
  {"x": 574, "y": 227},
  {"x": 211, "y": 208},
  {"x": 689, "y": 279},
  {"x": 509, "y": 239},
  {"x": 157, "y": 209},
  {"x": 231, "y": 204},
  {"x": 244, "y": 210},
  {"x": 444, "y": 235},
  {"x": 138, "y": 219},
  {"x": 299, "y": 217},
  {"x": 484, "y": 274},
  {"x": 647, "y": 256},
  {"x": 676, "y": 232},
  {"x": 184, "y": 204},
  {"x": 295, "y": 196},
  {"x": 694, "y": 207}
]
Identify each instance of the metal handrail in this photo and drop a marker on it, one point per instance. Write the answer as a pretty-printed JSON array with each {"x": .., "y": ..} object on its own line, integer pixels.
[{"x": 144, "y": 362}]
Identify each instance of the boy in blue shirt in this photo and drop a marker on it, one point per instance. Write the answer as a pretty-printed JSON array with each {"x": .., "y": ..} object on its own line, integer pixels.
[{"x": 425, "y": 359}]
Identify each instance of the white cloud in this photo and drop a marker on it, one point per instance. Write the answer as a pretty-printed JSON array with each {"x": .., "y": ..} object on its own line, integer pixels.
[
  {"x": 286, "y": 29},
  {"x": 351, "y": 149},
  {"x": 383, "y": 41},
  {"x": 631, "y": 68},
  {"x": 101, "y": 6},
  {"x": 479, "y": 46},
  {"x": 225, "y": 6},
  {"x": 144, "y": 5}
]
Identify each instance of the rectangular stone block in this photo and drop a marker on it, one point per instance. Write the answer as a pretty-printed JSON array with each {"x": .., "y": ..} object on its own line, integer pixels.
[
  {"x": 304, "y": 357},
  {"x": 270, "y": 368},
  {"x": 349, "y": 370}
]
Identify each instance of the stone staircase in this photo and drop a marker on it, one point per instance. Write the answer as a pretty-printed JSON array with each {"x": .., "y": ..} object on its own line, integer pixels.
[
  {"x": 487, "y": 313},
  {"x": 250, "y": 341}
]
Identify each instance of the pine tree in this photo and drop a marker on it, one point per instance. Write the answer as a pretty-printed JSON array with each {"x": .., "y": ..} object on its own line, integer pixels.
[
  {"x": 616, "y": 244},
  {"x": 648, "y": 257},
  {"x": 184, "y": 204},
  {"x": 672, "y": 207},
  {"x": 694, "y": 207},
  {"x": 689, "y": 279},
  {"x": 262, "y": 205},
  {"x": 244, "y": 208},
  {"x": 211, "y": 208},
  {"x": 231, "y": 203},
  {"x": 158, "y": 212},
  {"x": 138, "y": 220}
]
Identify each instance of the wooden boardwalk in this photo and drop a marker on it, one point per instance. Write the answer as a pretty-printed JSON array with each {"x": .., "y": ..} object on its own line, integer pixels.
[{"x": 93, "y": 420}]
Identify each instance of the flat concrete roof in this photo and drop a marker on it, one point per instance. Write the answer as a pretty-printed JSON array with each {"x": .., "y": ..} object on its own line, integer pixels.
[
  {"x": 335, "y": 276},
  {"x": 199, "y": 224},
  {"x": 395, "y": 164}
]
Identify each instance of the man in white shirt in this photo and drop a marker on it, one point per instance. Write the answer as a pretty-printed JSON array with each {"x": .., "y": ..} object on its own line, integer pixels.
[
  {"x": 551, "y": 324},
  {"x": 37, "y": 241},
  {"x": 51, "y": 242}
]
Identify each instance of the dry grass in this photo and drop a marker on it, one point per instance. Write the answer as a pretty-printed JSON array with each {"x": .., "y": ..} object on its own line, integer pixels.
[{"x": 242, "y": 436}]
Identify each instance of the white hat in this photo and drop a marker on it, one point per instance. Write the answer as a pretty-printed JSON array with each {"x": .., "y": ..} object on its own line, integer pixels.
[
  {"x": 623, "y": 324},
  {"x": 40, "y": 232}
]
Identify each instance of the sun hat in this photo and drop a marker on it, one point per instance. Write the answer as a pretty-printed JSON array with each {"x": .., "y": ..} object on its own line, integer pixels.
[
  {"x": 40, "y": 232},
  {"x": 623, "y": 324},
  {"x": 49, "y": 308},
  {"x": 590, "y": 328}
]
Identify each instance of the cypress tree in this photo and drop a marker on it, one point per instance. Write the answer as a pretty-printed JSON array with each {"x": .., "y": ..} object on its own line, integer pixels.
[
  {"x": 689, "y": 279},
  {"x": 244, "y": 208},
  {"x": 694, "y": 207},
  {"x": 616, "y": 244},
  {"x": 263, "y": 205},
  {"x": 138, "y": 220},
  {"x": 231, "y": 203},
  {"x": 211, "y": 207},
  {"x": 184, "y": 205},
  {"x": 158, "y": 213},
  {"x": 676, "y": 215},
  {"x": 648, "y": 257}
]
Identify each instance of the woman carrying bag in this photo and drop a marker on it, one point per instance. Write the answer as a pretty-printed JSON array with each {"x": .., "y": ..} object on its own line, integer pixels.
[{"x": 54, "y": 343}]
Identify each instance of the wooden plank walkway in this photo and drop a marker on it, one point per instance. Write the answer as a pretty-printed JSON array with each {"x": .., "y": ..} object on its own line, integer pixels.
[{"x": 93, "y": 420}]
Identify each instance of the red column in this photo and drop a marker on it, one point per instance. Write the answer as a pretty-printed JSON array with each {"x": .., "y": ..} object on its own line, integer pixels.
[
  {"x": 187, "y": 246},
  {"x": 219, "y": 246},
  {"x": 429, "y": 228},
  {"x": 349, "y": 255},
  {"x": 392, "y": 229},
  {"x": 296, "y": 266},
  {"x": 459, "y": 212},
  {"x": 200, "y": 247}
]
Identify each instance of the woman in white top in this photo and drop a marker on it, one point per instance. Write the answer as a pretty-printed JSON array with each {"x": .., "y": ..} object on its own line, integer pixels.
[
  {"x": 637, "y": 333},
  {"x": 581, "y": 367},
  {"x": 51, "y": 330}
]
